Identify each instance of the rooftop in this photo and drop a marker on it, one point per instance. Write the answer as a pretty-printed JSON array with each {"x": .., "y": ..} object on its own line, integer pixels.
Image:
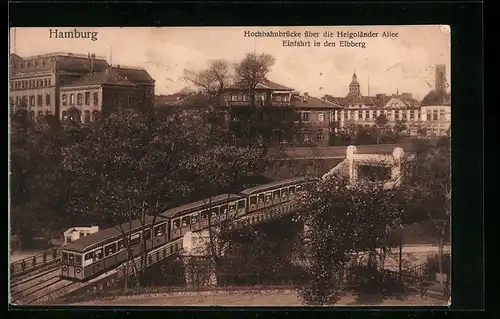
[{"x": 264, "y": 84}]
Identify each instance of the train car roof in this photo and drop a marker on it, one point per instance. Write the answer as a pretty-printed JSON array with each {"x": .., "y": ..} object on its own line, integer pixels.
[
  {"x": 204, "y": 203},
  {"x": 265, "y": 187},
  {"x": 93, "y": 240}
]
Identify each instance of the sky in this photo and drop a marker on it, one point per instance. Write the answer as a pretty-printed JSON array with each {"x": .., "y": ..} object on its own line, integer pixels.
[{"x": 389, "y": 64}]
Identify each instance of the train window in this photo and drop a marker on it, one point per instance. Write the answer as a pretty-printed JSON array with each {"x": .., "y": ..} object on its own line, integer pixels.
[
  {"x": 159, "y": 230},
  {"x": 89, "y": 256},
  {"x": 98, "y": 254},
  {"x": 284, "y": 192},
  {"x": 223, "y": 211},
  {"x": 185, "y": 220},
  {"x": 215, "y": 212},
  {"x": 241, "y": 204},
  {"x": 78, "y": 260},
  {"x": 268, "y": 197},
  {"x": 71, "y": 260},
  {"x": 110, "y": 249},
  {"x": 253, "y": 200},
  {"x": 147, "y": 234},
  {"x": 292, "y": 190},
  {"x": 135, "y": 239},
  {"x": 204, "y": 214},
  {"x": 276, "y": 194},
  {"x": 298, "y": 188},
  {"x": 176, "y": 223},
  {"x": 261, "y": 198},
  {"x": 64, "y": 258},
  {"x": 194, "y": 218},
  {"x": 121, "y": 244},
  {"x": 232, "y": 207}
]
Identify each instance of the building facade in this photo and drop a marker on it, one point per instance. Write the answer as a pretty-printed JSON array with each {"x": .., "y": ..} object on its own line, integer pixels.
[
  {"x": 417, "y": 118},
  {"x": 278, "y": 112},
  {"x": 39, "y": 83}
]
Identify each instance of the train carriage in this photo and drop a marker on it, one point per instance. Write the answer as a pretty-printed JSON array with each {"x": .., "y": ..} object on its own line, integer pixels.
[
  {"x": 272, "y": 194},
  {"x": 106, "y": 249},
  {"x": 195, "y": 216}
]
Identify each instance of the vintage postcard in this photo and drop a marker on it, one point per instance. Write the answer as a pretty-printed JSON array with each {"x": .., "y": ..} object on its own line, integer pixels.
[{"x": 230, "y": 166}]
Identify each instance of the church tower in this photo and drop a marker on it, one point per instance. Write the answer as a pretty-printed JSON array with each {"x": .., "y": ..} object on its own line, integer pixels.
[{"x": 354, "y": 89}]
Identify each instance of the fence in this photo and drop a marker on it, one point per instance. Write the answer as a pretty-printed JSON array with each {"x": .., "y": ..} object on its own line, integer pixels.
[{"x": 23, "y": 266}]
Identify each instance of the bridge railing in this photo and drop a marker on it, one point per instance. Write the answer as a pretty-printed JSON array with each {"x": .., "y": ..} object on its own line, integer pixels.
[{"x": 28, "y": 264}]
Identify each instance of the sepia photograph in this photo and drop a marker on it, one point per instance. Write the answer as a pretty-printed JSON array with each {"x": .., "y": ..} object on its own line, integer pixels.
[{"x": 298, "y": 166}]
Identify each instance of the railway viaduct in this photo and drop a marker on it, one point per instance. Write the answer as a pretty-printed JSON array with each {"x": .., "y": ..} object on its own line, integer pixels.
[{"x": 192, "y": 244}]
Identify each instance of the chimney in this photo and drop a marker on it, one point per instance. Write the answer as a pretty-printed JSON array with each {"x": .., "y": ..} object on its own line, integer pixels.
[
  {"x": 91, "y": 58},
  {"x": 306, "y": 96}
]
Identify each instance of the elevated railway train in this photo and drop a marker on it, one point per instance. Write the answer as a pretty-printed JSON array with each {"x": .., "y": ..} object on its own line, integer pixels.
[{"x": 97, "y": 253}]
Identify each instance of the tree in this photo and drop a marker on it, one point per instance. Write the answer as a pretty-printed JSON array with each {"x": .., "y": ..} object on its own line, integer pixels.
[
  {"x": 429, "y": 182},
  {"x": 400, "y": 127},
  {"x": 132, "y": 166},
  {"x": 211, "y": 80},
  {"x": 252, "y": 70},
  {"x": 343, "y": 220},
  {"x": 381, "y": 126},
  {"x": 219, "y": 170}
]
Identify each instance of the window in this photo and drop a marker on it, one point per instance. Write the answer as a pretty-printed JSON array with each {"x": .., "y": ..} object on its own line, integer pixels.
[
  {"x": 435, "y": 115},
  {"x": 185, "y": 221},
  {"x": 64, "y": 258},
  {"x": 95, "y": 98},
  {"x": 396, "y": 115},
  {"x": 305, "y": 116},
  {"x": 441, "y": 115},
  {"x": 306, "y": 137},
  {"x": 321, "y": 117},
  {"x": 253, "y": 200},
  {"x": 352, "y": 115},
  {"x": 194, "y": 218},
  {"x": 234, "y": 98},
  {"x": 40, "y": 114},
  {"x": 389, "y": 115},
  {"x": 78, "y": 260},
  {"x": 412, "y": 114},
  {"x": 204, "y": 214},
  {"x": 32, "y": 100},
  {"x": 428, "y": 115},
  {"x": 214, "y": 212},
  {"x": 292, "y": 190},
  {"x": 110, "y": 249},
  {"x": 346, "y": 115},
  {"x": 419, "y": 115},
  {"x": 367, "y": 114},
  {"x": 79, "y": 99},
  {"x": 47, "y": 112},
  {"x": 86, "y": 116},
  {"x": 61, "y": 83},
  {"x": 176, "y": 224},
  {"x": 89, "y": 256},
  {"x": 121, "y": 244},
  {"x": 47, "y": 99},
  {"x": 147, "y": 234},
  {"x": 64, "y": 115},
  {"x": 45, "y": 82},
  {"x": 284, "y": 193},
  {"x": 98, "y": 254},
  {"x": 260, "y": 198},
  {"x": 241, "y": 204},
  {"x": 95, "y": 115},
  {"x": 72, "y": 99},
  {"x": 159, "y": 230},
  {"x": 269, "y": 197},
  {"x": 319, "y": 135},
  {"x": 48, "y": 82},
  {"x": 64, "y": 99},
  {"x": 232, "y": 207},
  {"x": 135, "y": 239},
  {"x": 87, "y": 98},
  {"x": 360, "y": 114},
  {"x": 39, "y": 100}
]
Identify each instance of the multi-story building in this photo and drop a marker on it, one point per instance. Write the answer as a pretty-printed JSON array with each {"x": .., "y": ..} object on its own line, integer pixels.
[
  {"x": 38, "y": 84},
  {"x": 289, "y": 116},
  {"x": 431, "y": 117}
]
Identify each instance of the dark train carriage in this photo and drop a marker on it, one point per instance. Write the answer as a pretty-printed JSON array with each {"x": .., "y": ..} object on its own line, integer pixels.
[
  {"x": 104, "y": 250},
  {"x": 271, "y": 194},
  {"x": 195, "y": 216}
]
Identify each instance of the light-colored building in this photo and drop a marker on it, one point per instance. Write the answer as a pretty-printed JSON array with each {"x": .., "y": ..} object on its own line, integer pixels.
[
  {"x": 436, "y": 119},
  {"x": 75, "y": 233}
]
